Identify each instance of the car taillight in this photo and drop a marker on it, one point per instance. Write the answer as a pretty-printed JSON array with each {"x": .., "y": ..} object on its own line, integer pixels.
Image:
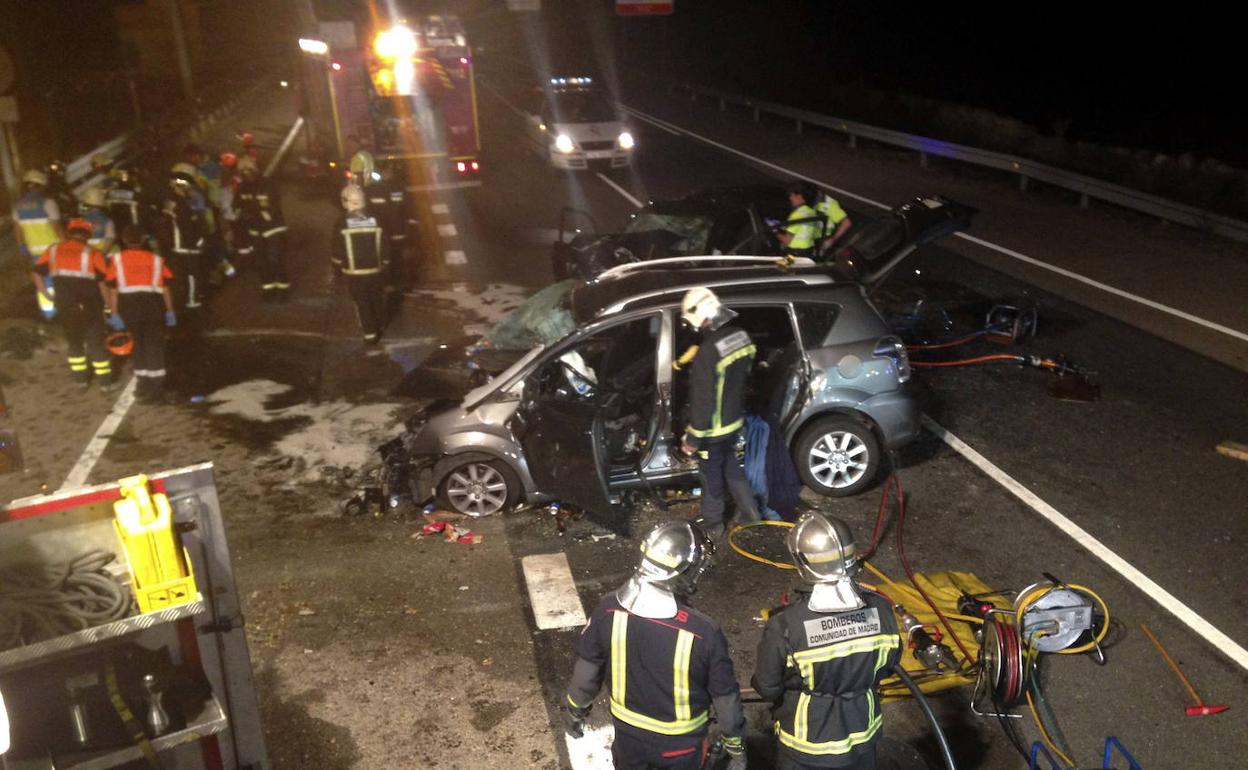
[{"x": 894, "y": 348}]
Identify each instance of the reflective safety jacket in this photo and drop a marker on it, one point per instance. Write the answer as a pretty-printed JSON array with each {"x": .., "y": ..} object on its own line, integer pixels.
[
  {"x": 77, "y": 268},
  {"x": 183, "y": 230},
  {"x": 717, "y": 380},
  {"x": 821, "y": 671},
  {"x": 804, "y": 226},
  {"x": 387, "y": 200},
  {"x": 830, "y": 209},
  {"x": 38, "y": 217},
  {"x": 259, "y": 208},
  {"x": 662, "y": 674},
  {"x": 360, "y": 244},
  {"x": 139, "y": 276},
  {"x": 124, "y": 205}
]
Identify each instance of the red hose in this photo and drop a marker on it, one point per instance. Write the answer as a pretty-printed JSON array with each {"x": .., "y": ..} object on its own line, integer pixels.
[
  {"x": 977, "y": 360},
  {"x": 905, "y": 564},
  {"x": 878, "y": 532},
  {"x": 950, "y": 344}
]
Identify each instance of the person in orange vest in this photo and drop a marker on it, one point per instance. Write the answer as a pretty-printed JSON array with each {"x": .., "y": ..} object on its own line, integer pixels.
[
  {"x": 78, "y": 270},
  {"x": 140, "y": 302}
]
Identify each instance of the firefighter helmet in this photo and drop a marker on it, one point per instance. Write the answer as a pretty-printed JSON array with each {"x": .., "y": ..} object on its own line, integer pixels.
[
  {"x": 701, "y": 306},
  {"x": 184, "y": 169},
  {"x": 674, "y": 555},
  {"x": 120, "y": 343},
  {"x": 247, "y": 138},
  {"x": 822, "y": 547},
  {"x": 79, "y": 225},
  {"x": 228, "y": 159},
  {"x": 35, "y": 176},
  {"x": 352, "y": 198},
  {"x": 56, "y": 168},
  {"x": 94, "y": 196}
]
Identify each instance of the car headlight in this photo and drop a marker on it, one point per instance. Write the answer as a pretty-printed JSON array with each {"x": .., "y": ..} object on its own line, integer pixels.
[
  {"x": 626, "y": 141},
  {"x": 563, "y": 144}
]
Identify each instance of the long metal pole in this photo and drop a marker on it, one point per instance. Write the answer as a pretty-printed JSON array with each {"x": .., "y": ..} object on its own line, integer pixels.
[{"x": 179, "y": 47}]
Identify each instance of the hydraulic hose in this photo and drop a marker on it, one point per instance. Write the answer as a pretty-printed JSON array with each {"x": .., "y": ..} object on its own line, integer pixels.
[
  {"x": 946, "y": 753},
  {"x": 1008, "y": 358}
]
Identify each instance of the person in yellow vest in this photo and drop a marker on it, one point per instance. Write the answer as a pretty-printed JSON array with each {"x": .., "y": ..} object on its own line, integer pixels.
[
  {"x": 803, "y": 228},
  {"x": 79, "y": 272},
  {"x": 37, "y": 225},
  {"x": 835, "y": 221}
]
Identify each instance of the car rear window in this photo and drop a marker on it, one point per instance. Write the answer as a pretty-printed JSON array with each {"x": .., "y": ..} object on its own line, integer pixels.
[{"x": 815, "y": 320}]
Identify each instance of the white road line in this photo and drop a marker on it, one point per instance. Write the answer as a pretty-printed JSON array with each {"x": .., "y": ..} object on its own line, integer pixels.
[
  {"x": 552, "y": 591},
  {"x": 1098, "y": 549},
  {"x": 591, "y": 751},
  {"x": 95, "y": 447},
  {"x": 442, "y": 186},
  {"x": 456, "y": 257},
  {"x": 440, "y": 209},
  {"x": 979, "y": 241},
  {"x": 627, "y": 195},
  {"x": 448, "y": 230}
]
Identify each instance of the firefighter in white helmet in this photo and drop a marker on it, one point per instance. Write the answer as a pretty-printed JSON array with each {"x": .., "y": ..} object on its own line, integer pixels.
[
  {"x": 664, "y": 663},
  {"x": 821, "y": 659},
  {"x": 360, "y": 255},
  {"x": 718, "y": 373}
]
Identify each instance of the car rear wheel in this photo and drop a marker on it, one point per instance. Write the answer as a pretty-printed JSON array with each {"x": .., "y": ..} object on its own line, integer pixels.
[
  {"x": 837, "y": 456},
  {"x": 479, "y": 488}
]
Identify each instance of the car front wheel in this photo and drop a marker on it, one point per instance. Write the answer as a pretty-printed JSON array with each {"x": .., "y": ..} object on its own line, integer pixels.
[
  {"x": 479, "y": 488},
  {"x": 837, "y": 456}
]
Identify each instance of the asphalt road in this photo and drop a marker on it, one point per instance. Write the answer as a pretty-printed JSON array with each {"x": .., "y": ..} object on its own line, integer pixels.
[{"x": 376, "y": 650}]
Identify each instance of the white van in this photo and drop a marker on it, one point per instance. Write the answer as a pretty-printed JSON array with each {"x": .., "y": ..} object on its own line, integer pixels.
[{"x": 579, "y": 127}]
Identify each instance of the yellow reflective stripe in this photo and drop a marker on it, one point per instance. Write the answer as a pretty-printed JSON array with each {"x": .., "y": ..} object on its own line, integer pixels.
[
  {"x": 619, "y": 657},
  {"x": 680, "y": 675},
  {"x": 671, "y": 562},
  {"x": 723, "y": 430},
  {"x": 830, "y": 747},
  {"x": 574, "y": 704},
  {"x": 721, "y": 369},
  {"x": 823, "y": 654},
  {"x": 678, "y": 727},
  {"x": 734, "y": 356}
]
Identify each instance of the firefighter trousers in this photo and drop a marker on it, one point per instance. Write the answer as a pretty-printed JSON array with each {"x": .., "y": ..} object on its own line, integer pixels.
[
  {"x": 83, "y": 323},
  {"x": 722, "y": 474},
  {"x": 271, "y": 259},
  {"x": 787, "y": 761},
  {"x": 629, "y": 752},
  {"x": 189, "y": 278},
  {"x": 149, "y": 355},
  {"x": 369, "y": 294}
]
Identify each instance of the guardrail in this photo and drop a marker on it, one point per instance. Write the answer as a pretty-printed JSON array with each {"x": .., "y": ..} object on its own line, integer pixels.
[{"x": 1087, "y": 187}]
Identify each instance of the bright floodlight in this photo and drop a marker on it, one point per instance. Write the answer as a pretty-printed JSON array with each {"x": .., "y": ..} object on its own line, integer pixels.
[
  {"x": 396, "y": 43},
  {"x": 563, "y": 144},
  {"x": 314, "y": 47}
]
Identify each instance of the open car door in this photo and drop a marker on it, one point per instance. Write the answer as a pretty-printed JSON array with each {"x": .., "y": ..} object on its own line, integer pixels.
[{"x": 562, "y": 436}]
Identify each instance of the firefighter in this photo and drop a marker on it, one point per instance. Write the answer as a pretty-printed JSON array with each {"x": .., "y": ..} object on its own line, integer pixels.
[
  {"x": 141, "y": 302},
  {"x": 79, "y": 270},
  {"x": 388, "y": 201},
  {"x": 803, "y": 228},
  {"x": 248, "y": 141},
  {"x": 718, "y": 373},
  {"x": 821, "y": 659},
  {"x": 38, "y": 225},
  {"x": 360, "y": 255},
  {"x": 360, "y": 161},
  {"x": 59, "y": 189},
  {"x": 664, "y": 663},
  {"x": 235, "y": 241},
  {"x": 260, "y": 212},
  {"x": 835, "y": 221},
  {"x": 125, "y": 198},
  {"x": 95, "y": 210},
  {"x": 182, "y": 234}
]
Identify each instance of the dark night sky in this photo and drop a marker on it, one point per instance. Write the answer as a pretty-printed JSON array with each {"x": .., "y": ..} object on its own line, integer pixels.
[{"x": 1158, "y": 80}]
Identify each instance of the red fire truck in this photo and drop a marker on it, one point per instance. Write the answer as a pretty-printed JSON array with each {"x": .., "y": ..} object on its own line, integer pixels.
[{"x": 405, "y": 91}]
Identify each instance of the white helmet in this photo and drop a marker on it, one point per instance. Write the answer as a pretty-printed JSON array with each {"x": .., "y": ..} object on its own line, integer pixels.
[
  {"x": 700, "y": 305},
  {"x": 353, "y": 197},
  {"x": 35, "y": 176},
  {"x": 94, "y": 196}
]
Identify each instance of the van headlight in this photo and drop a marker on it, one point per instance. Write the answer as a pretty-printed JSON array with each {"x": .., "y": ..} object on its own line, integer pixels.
[
  {"x": 626, "y": 141},
  {"x": 563, "y": 144}
]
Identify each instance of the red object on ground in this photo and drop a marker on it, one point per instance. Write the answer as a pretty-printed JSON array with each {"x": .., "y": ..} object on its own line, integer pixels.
[{"x": 1201, "y": 709}]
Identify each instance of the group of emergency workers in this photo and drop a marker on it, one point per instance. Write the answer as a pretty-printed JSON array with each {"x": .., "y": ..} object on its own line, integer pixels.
[
  {"x": 815, "y": 223},
  {"x": 115, "y": 256},
  {"x": 664, "y": 664}
]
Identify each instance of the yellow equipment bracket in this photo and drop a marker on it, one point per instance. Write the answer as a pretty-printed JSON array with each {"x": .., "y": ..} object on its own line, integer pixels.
[{"x": 160, "y": 571}]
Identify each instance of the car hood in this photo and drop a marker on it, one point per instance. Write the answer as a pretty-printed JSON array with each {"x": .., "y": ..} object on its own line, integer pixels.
[
  {"x": 455, "y": 368},
  {"x": 590, "y": 132}
]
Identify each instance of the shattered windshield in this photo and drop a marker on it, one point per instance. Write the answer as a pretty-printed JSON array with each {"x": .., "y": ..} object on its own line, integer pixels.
[
  {"x": 692, "y": 232},
  {"x": 544, "y": 318}
]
